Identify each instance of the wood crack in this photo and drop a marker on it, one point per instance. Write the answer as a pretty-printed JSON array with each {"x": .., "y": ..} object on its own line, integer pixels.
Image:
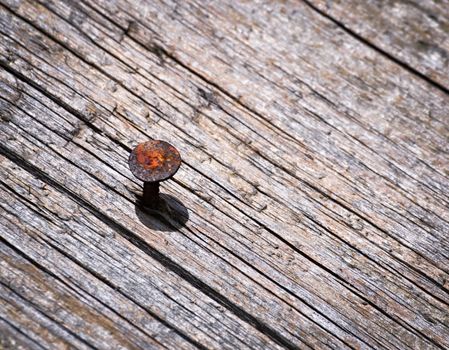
[
  {"x": 384, "y": 53},
  {"x": 71, "y": 288}
]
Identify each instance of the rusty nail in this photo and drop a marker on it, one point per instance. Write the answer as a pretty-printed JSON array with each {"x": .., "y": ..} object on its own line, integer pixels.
[{"x": 152, "y": 162}]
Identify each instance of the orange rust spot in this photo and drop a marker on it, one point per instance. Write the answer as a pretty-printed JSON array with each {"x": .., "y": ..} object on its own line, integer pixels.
[{"x": 149, "y": 159}]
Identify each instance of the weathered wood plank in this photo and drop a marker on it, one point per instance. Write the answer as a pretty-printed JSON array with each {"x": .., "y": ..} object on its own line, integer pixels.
[
  {"x": 64, "y": 315},
  {"x": 416, "y": 33},
  {"x": 293, "y": 231},
  {"x": 12, "y": 338}
]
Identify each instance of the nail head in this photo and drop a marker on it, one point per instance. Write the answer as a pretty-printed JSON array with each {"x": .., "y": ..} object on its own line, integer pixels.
[{"x": 154, "y": 161}]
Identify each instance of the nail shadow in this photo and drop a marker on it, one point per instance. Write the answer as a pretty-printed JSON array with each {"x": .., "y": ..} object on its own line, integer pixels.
[{"x": 168, "y": 216}]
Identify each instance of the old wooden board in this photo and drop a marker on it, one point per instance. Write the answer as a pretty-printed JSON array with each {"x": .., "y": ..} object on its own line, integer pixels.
[{"x": 311, "y": 209}]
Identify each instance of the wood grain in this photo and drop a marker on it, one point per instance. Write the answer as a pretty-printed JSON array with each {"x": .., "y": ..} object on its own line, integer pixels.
[
  {"x": 415, "y": 34},
  {"x": 311, "y": 210}
]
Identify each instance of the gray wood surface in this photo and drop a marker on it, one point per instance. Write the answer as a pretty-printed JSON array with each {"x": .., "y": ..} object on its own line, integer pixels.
[{"x": 311, "y": 209}]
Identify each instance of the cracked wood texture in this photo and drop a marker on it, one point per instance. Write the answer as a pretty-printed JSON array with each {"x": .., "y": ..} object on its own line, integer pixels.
[{"x": 311, "y": 209}]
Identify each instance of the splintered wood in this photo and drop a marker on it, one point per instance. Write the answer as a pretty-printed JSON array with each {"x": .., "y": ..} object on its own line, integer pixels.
[{"x": 311, "y": 208}]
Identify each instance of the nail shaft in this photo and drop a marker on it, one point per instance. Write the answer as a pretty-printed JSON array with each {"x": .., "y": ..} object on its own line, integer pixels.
[{"x": 150, "y": 193}]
